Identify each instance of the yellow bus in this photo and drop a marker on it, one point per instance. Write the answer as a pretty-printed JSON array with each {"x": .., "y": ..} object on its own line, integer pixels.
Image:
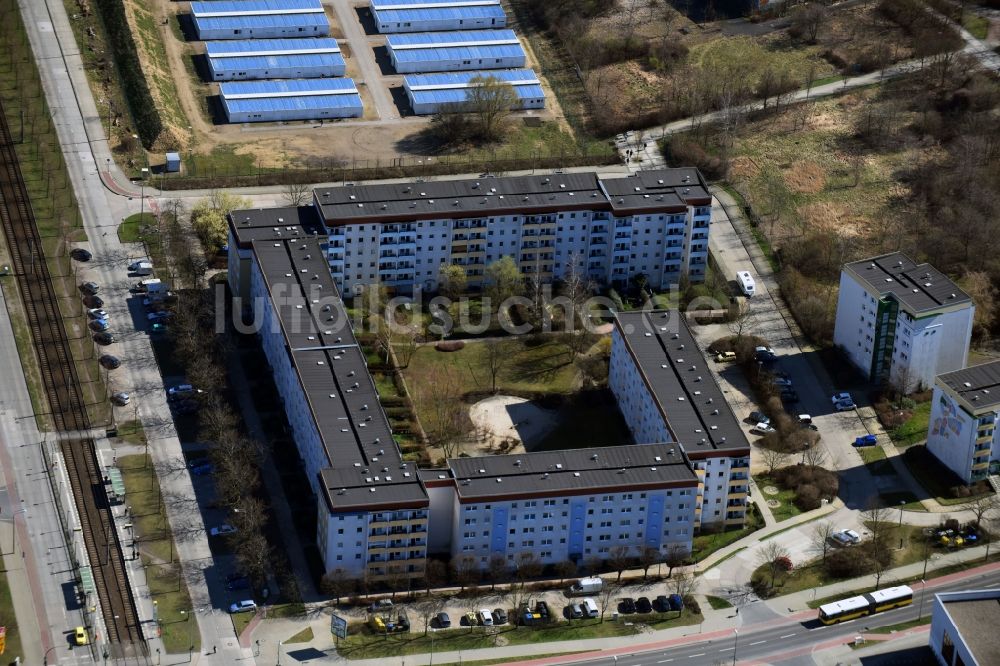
[{"x": 866, "y": 604}]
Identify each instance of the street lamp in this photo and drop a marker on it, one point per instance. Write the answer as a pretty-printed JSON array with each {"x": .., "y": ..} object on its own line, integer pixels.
[
  {"x": 279, "y": 653},
  {"x": 901, "y": 503},
  {"x": 142, "y": 192},
  {"x": 923, "y": 588},
  {"x": 736, "y": 638}
]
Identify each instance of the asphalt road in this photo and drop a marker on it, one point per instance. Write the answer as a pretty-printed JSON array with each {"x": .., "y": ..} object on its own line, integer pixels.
[{"x": 787, "y": 638}]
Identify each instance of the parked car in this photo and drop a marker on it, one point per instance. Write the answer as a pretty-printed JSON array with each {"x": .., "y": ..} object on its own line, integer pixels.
[
  {"x": 380, "y": 606},
  {"x": 661, "y": 604},
  {"x": 203, "y": 468},
  {"x": 93, "y": 301},
  {"x": 158, "y": 328},
  {"x": 759, "y": 417},
  {"x": 788, "y": 395},
  {"x": 951, "y": 539},
  {"x": 181, "y": 391},
  {"x": 80, "y": 254},
  {"x": 469, "y": 619},
  {"x": 104, "y": 338},
  {"x": 90, "y": 288},
  {"x": 243, "y": 606},
  {"x": 80, "y": 636},
  {"x": 109, "y": 362},
  {"x": 484, "y": 617},
  {"x": 159, "y": 316},
  {"x": 762, "y": 429},
  {"x": 764, "y": 355},
  {"x": 676, "y": 602},
  {"x": 781, "y": 381},
  {"x": 442, "y": 621},
  {"x": 865, "y": 440},
  {"x": 499, "y": 616},
  {"x": 642, "y": 605},
  {"x": 121, "y": 399},
  {"x": 543, "y": 609},
  {"x": 237, "y": 583},
  {"x": 100, "y": 325},
  {"x": 846, "y": 537},
  {"x": 806, "y": 421},
  {"x": 626, "y": 606},
  {"x": 842, "y": 402},
  {"x": 573, "y": 611},
  {"x": 97, "y": 313},
  {"x": 726, "y": 357},
  {"x": 222, "y": 530}
]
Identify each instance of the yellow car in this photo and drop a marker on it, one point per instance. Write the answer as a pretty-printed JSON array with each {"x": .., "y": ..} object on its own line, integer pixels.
[{"x": 80, "y": 636}]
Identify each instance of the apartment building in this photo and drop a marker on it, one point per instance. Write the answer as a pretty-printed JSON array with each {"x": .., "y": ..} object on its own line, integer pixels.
[
  {"x": 963, "y": 627},
  {"x": 654, "y": 223},
  {"x": 667, "y": 393},
  {"x": 963, "y": 426},
  {"x": 901, "y": 322},
  {"x": 576, "y": 505}
]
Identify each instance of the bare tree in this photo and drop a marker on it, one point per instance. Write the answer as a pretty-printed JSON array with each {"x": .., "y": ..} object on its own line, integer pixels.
[
  {"x": 618, "y": 559},
  {"x": 443, "y": 415},
  {"x": 464, "y": 570},
  {"x": 253, "y": 553},
  {"x": 877, "y": 519},
  {"x": 683, "y": 584},
  {"x": 772, "y": 459},
  {"x": 576, "y": 288},
  {"x": 499, "y": 353},
  {"x": 338, "y": 584},
  {"x": 821, "y": 538},
  {"x": 648, "y": 556},
  {"x": 490, "y": 102},
  {"x": 607, "y": 596},
  {"x": 743, "y": 322},
  {"x": 982, "y": 507},
  {"x": 676, "y": 556},
  {"x": 428, "y": 608},
  {"x": 770, "y": 557},
  {"x": 296, "y": 194},
  {"x": 814, "y": 456},
  {"x": 807, "y": 21},
  {"x": 565, "y": 569},
  {"x": 435, "y": 574},
  {"x": 498, "y": 570}
]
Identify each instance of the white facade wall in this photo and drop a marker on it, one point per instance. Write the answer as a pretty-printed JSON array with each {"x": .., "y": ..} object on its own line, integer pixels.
[
  {"x": 577, "y": 528},
  {"x": 343, "y": 540},
  {"x": 261, "y": 115},
  {"x": 930, "y": 346},
  {"x": 634, "y": 399},
  {"x": 716, "y": 475},
  {"x": 854, "y": 329},
  {"x": 430, "y": 108},
  {"x": 655, "y": 245},
  {"x": 953, "y": 436},
  {"x": 222, "y": 71},
  {"x": 262, "y": 32},
  {"x": 438, "y": 25},
  {"x": 457, "y": 64}
]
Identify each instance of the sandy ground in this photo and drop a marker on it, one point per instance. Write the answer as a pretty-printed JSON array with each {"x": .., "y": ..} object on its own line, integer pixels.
[{"x": 504, "y": 417}]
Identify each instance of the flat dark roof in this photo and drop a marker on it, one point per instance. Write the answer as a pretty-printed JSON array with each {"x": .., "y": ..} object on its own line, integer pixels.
[
  {"x": 977, "y": 621},
  {"x": 676, "y": 371},
  {"x": 253, "y": 224},
  {"x": 576, "y": 471},
  {"x": 918, "y": 287},
  {"x": 514, "y": 195},
  {"x": 978, "y": 385},
  {"x": 365, "y": 469}
]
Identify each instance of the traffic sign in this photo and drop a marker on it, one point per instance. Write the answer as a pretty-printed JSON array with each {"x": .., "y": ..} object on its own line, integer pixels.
[{"x": 338, "y": 626}]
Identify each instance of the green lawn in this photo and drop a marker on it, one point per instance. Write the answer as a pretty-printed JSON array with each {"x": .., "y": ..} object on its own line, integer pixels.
[
  {"x": 874, "y": 457},
  {"x": 156, "y": 547},
  {"x": 130, "y": 231},
  {"x": 706, "y": 544},
  {"x": 717, "y": 603},
  {"x": 368, "y": 645},
  {"x": 909, "y": 501},
  {"x": 304, "y": 636},
  {"x": 544, "y": 368},
  {"x": 132, "y": 432},
  {"x": 914, "y": 429},
  {"x": 975, "y": 24},
  {"x": 787, "y": 508},
  {"x": 8, "y": 620},
  {"x": 902, "y": 626}
]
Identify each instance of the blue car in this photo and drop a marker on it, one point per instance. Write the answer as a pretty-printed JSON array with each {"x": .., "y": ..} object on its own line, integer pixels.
[
  {"x": 202, "y": 469},
  {"x": 866, "y": 440}
]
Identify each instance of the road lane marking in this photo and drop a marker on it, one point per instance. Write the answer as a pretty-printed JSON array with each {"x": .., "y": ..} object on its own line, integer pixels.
[
  {"x": 786, "y": 636},
  {"x": 818, "y": 628},
  {"x": 758, "y": 642},
  {"x": 692, "y": 656},
  {"x": 727, "y": 649},
  {"x": 664, "y": 661}
]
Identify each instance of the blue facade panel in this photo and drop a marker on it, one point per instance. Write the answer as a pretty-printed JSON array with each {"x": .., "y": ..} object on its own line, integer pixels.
[
  {"x": 439, "y": 18},
  {"x": 654, "y": 522},
  {"x": 498, "y": 531},
  {"x": 577, "y": 525}
]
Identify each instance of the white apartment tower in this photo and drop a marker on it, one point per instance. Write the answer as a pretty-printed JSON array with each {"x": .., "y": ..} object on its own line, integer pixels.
[
  {"x": 901, "y": 322},
  {"x": 962, "y": 433}
]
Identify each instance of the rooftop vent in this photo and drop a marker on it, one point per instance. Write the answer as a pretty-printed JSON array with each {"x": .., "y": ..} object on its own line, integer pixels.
[{"x": 593, "y": 456}]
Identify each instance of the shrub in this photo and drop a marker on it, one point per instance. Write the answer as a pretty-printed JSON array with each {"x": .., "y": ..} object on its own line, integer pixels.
[
  {"x": 807, "y": 497},
  {"x": 783, "y": 563},
  {"x": 449, "y": 345},
  {"x": 684, "y": 151},
  {"x": 692, "y": 604},
  {"x": 846, "y": 563}
]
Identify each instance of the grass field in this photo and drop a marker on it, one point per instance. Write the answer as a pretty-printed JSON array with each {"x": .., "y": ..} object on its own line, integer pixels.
[
  {"x": 545, "y": 368},
  {"x": 304, "y": 636},
  {"x": 914, "y": 429},
  {"x": 786, "y": 508},
  {"x": 156, "y": 547},
  {"x": 130, "y": 231},
  {"x": 706, "y": 544},
  {"x": 977, "y": 25},
  {"x": 8, "y": 620},
  {"x": 718, "y": 603},
  {"x": 367, "y": 645}
]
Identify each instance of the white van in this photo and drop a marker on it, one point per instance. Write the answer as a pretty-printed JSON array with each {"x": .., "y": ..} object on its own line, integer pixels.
[
  {"x": 746, "y": 282},
  {"x": 590, "y": 608}
]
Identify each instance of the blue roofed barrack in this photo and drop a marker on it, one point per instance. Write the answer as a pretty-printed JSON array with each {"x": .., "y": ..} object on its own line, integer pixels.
[
  {"x": 448, "y": 91},
  {"x": 296, "y": 99}
]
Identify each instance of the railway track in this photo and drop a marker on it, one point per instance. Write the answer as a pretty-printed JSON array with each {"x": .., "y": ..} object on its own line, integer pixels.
[{"x": 68, "y": 409}]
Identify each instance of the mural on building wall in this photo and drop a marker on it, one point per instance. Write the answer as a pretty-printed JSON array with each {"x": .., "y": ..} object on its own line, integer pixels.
[{"x": 948, "y": 423}]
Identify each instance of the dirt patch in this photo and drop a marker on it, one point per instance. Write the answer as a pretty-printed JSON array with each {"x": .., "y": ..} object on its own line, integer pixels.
[
  {"x": 508, "y": 422},
  {"x": 770, "y": 490},
  {"x": 805, "y": 177},
  {"x": 743, "y": 168},
  {"x": 831, "y": 215}
]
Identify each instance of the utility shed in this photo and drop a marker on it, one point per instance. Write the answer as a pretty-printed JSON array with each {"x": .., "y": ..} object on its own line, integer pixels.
[
  {"x": 295, "y": 99},
  {"x": 274, "y": 59},
  {"x": 428, "y": 15},
  {"x": 448, "y": 91},
  {"x": 257, "y": 19},
  {"x": 455, "y": 51}
]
